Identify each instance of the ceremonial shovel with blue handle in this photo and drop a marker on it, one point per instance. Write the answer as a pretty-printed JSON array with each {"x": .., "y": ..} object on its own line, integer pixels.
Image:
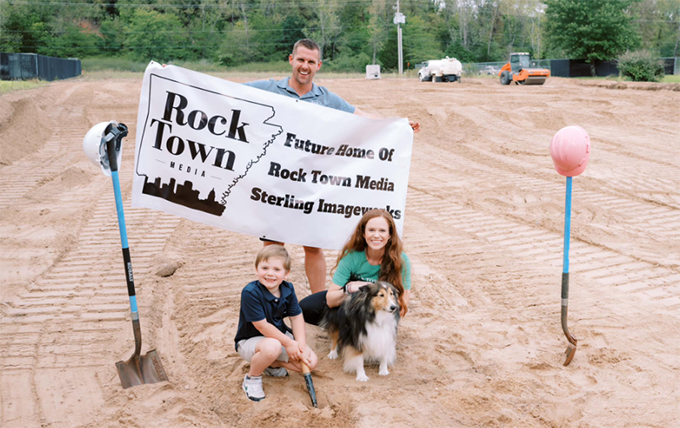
[
  {"x": 570, "y": 151},
  {"x": 103, "y": 146}
]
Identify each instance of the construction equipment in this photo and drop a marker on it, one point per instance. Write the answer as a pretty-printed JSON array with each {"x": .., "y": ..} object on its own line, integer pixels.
[
  {"x": 103, "y": 146},
  {"x": 441, "y": 70},
  {"x": 521, "y": 71}
]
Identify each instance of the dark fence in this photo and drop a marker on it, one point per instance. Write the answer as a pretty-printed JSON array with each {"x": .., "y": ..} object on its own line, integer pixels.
[
  {"x": 22, "y": 66},
  {"x": 581, "y": 68},
  {"x": 669, "y": 66}
]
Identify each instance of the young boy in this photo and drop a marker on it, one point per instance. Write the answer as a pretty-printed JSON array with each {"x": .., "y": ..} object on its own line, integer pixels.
[{"x": 262, "y": 338}]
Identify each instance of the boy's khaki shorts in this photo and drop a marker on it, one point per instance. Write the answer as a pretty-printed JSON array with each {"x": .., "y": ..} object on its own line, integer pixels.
[{"x": 246, "y": 348}]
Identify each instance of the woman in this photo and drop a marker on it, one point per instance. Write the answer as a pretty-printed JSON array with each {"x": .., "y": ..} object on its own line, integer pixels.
[{"x": 373, "y": 252}]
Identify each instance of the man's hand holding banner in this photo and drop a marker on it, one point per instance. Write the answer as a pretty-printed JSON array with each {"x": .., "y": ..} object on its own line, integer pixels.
[{"x": 262, "y": 164}]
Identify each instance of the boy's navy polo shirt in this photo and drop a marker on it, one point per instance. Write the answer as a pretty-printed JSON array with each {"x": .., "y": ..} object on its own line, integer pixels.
[
  {"x": 318, "y": 94},
  {"x": 257, "y": 304}
]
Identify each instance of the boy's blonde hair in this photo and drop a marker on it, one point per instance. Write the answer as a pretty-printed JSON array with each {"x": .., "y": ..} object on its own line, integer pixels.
[{"x": 273, "y": 252}]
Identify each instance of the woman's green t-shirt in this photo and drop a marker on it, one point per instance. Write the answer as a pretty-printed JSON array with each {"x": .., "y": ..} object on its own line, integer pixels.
[{"x": 355, "y": 266}]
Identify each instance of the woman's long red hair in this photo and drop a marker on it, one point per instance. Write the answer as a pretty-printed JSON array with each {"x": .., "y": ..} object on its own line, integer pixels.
[{"x": 391, "y": 265}]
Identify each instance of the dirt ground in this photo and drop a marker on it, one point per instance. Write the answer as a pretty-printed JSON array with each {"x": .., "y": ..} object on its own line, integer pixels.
[{"x": 482, "y": 345}]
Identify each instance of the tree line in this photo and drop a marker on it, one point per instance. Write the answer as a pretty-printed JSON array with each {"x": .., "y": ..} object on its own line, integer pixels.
[{"x": 352, "y": 33}]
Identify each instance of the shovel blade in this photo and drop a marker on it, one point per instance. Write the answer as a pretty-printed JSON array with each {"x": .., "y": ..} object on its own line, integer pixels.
[
  {"x": 570, "y": 352},
  {"x": 310, "y": 388},
  {"x": 140, "y": 370}
]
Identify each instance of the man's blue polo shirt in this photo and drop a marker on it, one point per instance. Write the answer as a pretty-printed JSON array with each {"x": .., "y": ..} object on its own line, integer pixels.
[
  {"x": 257, "y": 304},
  {"x": 318, "y": 94}
]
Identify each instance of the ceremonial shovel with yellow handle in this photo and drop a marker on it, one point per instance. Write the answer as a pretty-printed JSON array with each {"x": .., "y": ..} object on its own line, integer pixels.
[
  {"x": 310, "y": 385},
  {"x": 570, "y": 151}
]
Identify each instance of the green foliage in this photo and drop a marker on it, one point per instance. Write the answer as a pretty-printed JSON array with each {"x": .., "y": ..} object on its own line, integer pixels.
[
  {"x": 112, "y": 63},
  {"x": 591, "y": 30},
  {"x": 458, "y": 51},
  {"x": 291, "y": 32},
  {"x": 237, "y": 33},
  {"x": 418, "y": 43},
  {"x": 71, "y": 42},
  {"x": 657, "y": 25},
  {"x": 641, "y": 66},
  {"x": 235, "y": 48},
  {"x": 112, "y": 37},
  {"x": 151, "y": 35},
  {"x": 346, "y": 61}
]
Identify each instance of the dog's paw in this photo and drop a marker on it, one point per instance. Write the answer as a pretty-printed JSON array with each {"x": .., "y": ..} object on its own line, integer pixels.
[
  {"x": 362, "y": 378},
  {"x": 333, "y": 355},
  {"x": 383, "y": 372}
]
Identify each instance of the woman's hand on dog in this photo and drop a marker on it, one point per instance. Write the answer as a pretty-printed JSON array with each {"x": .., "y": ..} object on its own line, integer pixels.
[{"x": 354, "y": 286}]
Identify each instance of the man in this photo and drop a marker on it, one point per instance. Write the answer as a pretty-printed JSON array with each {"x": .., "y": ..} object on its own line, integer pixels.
[{"x": 306, "y": 61}]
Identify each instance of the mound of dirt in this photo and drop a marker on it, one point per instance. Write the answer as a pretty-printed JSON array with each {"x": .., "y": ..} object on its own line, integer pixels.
[
  {"x": 25, "y": 127},
  {"x": 640, "y": 86}
]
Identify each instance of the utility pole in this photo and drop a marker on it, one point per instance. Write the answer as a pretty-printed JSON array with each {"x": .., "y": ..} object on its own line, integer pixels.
[{"x": 399, "y": 19}]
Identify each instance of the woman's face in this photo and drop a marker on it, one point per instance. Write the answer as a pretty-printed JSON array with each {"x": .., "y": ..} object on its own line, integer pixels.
[{"x": 377, "y": 233}]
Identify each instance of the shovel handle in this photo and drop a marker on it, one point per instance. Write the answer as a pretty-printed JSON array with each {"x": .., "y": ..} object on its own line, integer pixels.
[
  {"x": 113, "y": 138},
  {"x": 571, "y": 349}
]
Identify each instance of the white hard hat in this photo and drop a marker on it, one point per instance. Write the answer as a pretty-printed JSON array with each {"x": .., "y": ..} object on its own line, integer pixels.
[{"x": 94, "y": 145}]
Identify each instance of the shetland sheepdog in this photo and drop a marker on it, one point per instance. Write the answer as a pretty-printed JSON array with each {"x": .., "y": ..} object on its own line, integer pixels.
[{"x": 364, "y": 328}]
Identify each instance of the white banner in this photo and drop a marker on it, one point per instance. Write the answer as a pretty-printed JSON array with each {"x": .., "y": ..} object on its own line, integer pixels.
[{"x": 263, "y": 164}]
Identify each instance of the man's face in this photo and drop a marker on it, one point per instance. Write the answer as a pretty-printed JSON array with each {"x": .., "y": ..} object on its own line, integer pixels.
[{"x": 306, "y": 63}]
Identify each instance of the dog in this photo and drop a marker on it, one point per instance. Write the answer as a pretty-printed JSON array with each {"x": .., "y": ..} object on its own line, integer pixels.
[{"x": 364, "y": 328}]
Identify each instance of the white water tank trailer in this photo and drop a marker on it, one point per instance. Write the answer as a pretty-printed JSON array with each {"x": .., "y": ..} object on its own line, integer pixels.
[{"x": 441, "y": 70}]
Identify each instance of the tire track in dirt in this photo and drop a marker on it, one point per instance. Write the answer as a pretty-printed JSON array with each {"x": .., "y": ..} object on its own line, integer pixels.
[
  {"x": 526, "y": 253},
  {"x": 56, "y": 154},
  {"x": 60, "y": 336},
  {"x": 74, "y": 315},
  {"x": 504, "y": 234},
  {"x": 486, "y": 192}
]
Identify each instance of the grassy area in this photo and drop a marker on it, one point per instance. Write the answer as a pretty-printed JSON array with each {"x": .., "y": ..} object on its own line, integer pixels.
[
  {"x": 120, "y": 68},
  {"x": 18, "y": 85}
]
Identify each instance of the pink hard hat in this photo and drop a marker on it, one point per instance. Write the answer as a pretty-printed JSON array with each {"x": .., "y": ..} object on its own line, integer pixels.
[{"x": 570, "y": 150}]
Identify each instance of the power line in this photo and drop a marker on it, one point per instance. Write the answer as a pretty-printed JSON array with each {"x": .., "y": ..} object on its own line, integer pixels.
[
  {"x": 198, "y": 5},
  {"x": 264, "y": 30}
]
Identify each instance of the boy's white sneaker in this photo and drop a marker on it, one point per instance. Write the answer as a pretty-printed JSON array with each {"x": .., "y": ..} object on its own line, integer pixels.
[
  {"x": 253, "y": 387},
  {"x": 276, "y": 371}
]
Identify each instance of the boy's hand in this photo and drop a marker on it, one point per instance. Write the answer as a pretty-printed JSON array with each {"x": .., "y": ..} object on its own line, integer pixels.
[
  {"x": 293, "y": 350},
  {"x": 306, "y": 356}
]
